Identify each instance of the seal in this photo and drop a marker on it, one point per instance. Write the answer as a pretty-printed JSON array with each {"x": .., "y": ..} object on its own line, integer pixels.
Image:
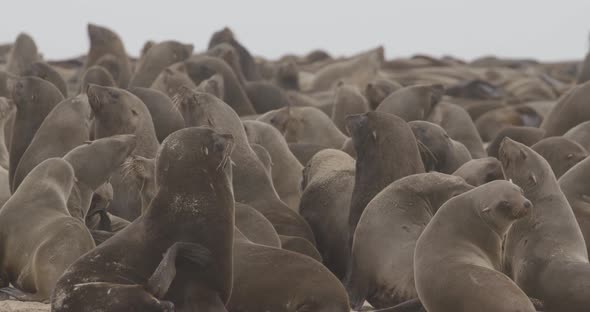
[
  {"x": 264, "y": 158},
  {"x": 156, "y": 59},
  {"x": 46, "y": 72},
  {"x": 490, "y": 123},
  {"x": 265, "y": 96},
  {"x": 34, "y": 98},
  {"x": 286, "y": 169},
  {"x": 213, "y": 85},
  {"x": 229, "y": 54},
  {"x": 22, "y": 54},
  {"x": 442, "y": 153},
  {"x": 97, "y": 75},
  {"x": 247, "y": 63},
  {"x": 300, "y": 245},
  {"x": 194, "y": 205},
  {"x": 252, "y": 184},
  {"x": 64, "y": 128},
  {"x": 558, "y": 276},
  {"x": 449, "y": 279},
  {"x": 118, "y": 111},
  {"x": 347, "y": 101},
  {"x": 579, "y": 134},
  {"x": 480, "y": 171},
  {"x": 561, "y": 153},
  {"x": 166, "y": 118},
  {"x": 105, "y": 42},
  {"x": 36, "y": 250},
  {"x": 328, "y": 182},
  {"x": 259, "y": 286},
  {"x": 377, "y": 164},
  {"x": 7, "y": 108},
  {"x": 305, "y": 151},
  {"x": 255, "y": 226},
  {"x": 171, "y": 79},
  {"x": 377, "y": 90},
  {"x": 573, "y": 184},
  {"x": 525, "y": 135},
  {"x": 412, "y": 103},
  {"x": 382, "y": 270},
  {"x": 302, "y": 125},
  {"x": 570, "y": 110}
]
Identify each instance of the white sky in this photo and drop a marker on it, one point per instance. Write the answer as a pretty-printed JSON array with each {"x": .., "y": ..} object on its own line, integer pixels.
[{"x": 547, "y": 30}]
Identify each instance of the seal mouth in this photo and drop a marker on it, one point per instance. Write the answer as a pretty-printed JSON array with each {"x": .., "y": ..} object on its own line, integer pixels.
[
  {"x": 228, "y": 147},
  {"x": 523, "y": 211}
]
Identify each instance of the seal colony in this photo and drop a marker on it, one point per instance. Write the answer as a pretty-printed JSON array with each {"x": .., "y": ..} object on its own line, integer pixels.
[{"x": 213, "y": 179}]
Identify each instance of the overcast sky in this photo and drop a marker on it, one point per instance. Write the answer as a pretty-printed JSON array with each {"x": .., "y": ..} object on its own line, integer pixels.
[{"x": 547, "y": 30}]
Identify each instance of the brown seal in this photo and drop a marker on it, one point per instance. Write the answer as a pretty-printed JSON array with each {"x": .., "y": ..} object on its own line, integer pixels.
[
  {"x": 412, "y": 103},
  {"x": 570, "y": 110},
  {"x": 458, "y": 257},
  {"x": 559, "y": 274},
  {"x": 247, "y": 63},
  {"x": 105, "y": 42},
  {"x": 305, "y": 151},
  {"x": 480, "y": 171},
  {"x": 378, "y": 164},
  {"x": 255, "y": 226},
  {"x": 300, "y": 245},
  {"x": 490, "y": 123},
  {"x": 156, "y": 59},
  {"x": 46, "y": 72},
  {"x": 22, "y": 54},
  {"x": 7, "y": 109},
  {"x": 580, "y": 134},
  {"x": 377, "y": 90},
  {"x": 574, "y": 185},
  {"x": 171, "y": 79},
  {"x": 347, "y": 101},
  {"x": 194, "y": 206},
  {"x": 561, "y": 153},
  {"x": 382, "y": 270},
  {"x": 166, "y": 118},
  {"x": 34, "y": 98},
  {"x": 525, "y": 135},
  {"x": 97, "y": 75},
  {"x": 36, "y": 250}
]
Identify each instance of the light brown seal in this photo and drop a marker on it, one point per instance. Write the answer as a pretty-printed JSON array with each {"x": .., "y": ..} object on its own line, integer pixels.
[
  {"x": 347, "y": 101},
  {"x": 570, "y": 110},
  {"x": 47, "y": 72},
  {"x": 22, "y": 54},
  {"x": 525, "y": 135},
  {"x": 561, "y": 153},
  {"x": 412, "y": 103},
  {"x": 156, "y": 59},
  {"x": 104, "y": 42},
  {"x": 574, "y": 185},
  {"x": 480, "y": 171}
]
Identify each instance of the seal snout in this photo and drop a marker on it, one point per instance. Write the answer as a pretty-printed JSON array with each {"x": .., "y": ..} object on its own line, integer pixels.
[
  {"x": 355, "y": 123},
  {"x": 524, "y": 210}
]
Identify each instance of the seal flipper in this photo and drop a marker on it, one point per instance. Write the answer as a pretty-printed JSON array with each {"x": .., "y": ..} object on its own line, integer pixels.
[
  {"x": 21, "y": 295},
  {"x": 164, "y": 274}
]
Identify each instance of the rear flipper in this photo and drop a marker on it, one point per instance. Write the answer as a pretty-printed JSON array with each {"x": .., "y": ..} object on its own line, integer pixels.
[
  {"x": 160, "y": 281},
  {"x": 100, "y": 236},
  {"x": 21, "y": 295}
]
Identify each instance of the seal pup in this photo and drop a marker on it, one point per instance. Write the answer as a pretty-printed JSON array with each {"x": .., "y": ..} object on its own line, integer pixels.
[
  {"x": 118, "y": 111},
  {"x": 347, "y": 101},
  {"x": 525, "y": 135},
  {"x": 573, "y": 184},
  {"x": 156, "y": 59},
  {"x": 104, "y": 42},
  {"x": 247, "y": 63},
  {"x": 378, "y": 165},
  {"x": 97, "y": 75},
  {"x": 194, "y": 207},
  {"x": 166, "y": 118},
  {"x": 34, "y": 98},
  {"x": 328, "y": 182},
  {"x": 382, "y": 270},
  {"x": 252, "y": 184},
  {"x": 46, "y": 72},
  {"x": 412, "y": 103},
  {"x": 580, "y": 134},
  {"x": 65, "y": 127},
  {"x": 171, "y": 79},
  {"x": 286, "y": 169},
  {"x": 480, "y": 171},
  {"x": 442, "y": 153},
  {"x": 36, "y": 250},
  {"x": 561, "y": 153},
  {"x": 377, "y": 90},
  {"x": 22, "y": 54},
  {"x": 569, "y": 111},
  {"x": 559, "y": 274},
  {"x": 450, "y": 279}
]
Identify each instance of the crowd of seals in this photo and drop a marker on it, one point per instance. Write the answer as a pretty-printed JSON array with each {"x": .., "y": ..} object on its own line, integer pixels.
[{"x": 218, "y": 180}]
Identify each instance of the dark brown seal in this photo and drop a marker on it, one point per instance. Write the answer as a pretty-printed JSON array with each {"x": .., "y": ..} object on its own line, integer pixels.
[
  {"x": 377, "y": 90},
  {"x": 46, "y": 72},
  {"x": 22, "y": 54},
  {"x": 166, "y": 118},
  {"x": 97, "y": 75},
  {"x": 104, "y": 42},
  {"x": 525, "y": 135},
  {"x": 249, "y": 68}
]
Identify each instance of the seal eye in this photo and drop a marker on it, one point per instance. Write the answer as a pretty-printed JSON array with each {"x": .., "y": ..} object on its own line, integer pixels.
[{"x": 134, "y": 112}]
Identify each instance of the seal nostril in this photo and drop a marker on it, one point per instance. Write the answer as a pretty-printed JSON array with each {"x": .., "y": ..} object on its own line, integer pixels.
[{"x": 527, "y": 204}]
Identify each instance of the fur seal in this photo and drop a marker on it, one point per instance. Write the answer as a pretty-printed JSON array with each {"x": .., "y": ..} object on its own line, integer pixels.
[
  {"x": 255, "y": 226},
  {"x": 490, "y": 123},
  {"x": 140, "y": 173},
  {"x": 561, "y": 153},
  {"x": 97, "y": 75},
  {"x": 412, "y": 103},
  {"x": 480, "y": 171},
  {"x": 264, "y": 157},
  {"x": 579, "y": 134},
  {"x": 22, "y": 54},
  {"x": 247, "y": 63},
  {"x": 6, "y": 110},
  {"x": 252, "y": 184},
  {"x": 445, "y": 155},
  {"x": 156, "y": 59},
  {"x": 559, "y": 274},
  {"x": 286, "y": 169},
  {"x": 105, "y": 42},
  {"x": 525, "y": 135},
  {"x": 34, "y": 98},
  {"x": 574, "y": 185},
  {"x": 382, "y": 258},
  {"x": 118, "y": 111},
  {"x": 347, "y": 101},
  {"x": 305, "y": 151},
  {"x": 166, "y": 118},
  {"x": 193, "y": 207},
  {"x": 300, "y": 245},
  {"x": 328, "y": 182},
  {"x": 46, "y": 72},
  {"x": 229, "y": 54},
  {"x": 378, "y": 164},
  {"x": 473, "y": 223},
  {"x": 377, "y": 90},
  {"x": 265, "y": 96},
  {"x": 171, "y": 79},
  {"x": 304, "y": 124},
  {"x": 36, "y": 250},
  {"x": 213, "y": 85},
  {"x": 569, "y": 111},
  {"x": 64, "y": 128}
]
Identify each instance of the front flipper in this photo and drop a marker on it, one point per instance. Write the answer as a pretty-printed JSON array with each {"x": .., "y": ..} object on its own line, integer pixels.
[
  {"x": 160, "y": 281},
  {"x": 22, "y": 296}
]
